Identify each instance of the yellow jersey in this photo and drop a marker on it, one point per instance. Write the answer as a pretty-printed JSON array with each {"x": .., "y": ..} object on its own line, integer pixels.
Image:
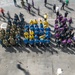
[
  {"x": 31, "y": 37},
  {"x": 46, "y": 24},
  {"x": 26, "y": 35},
  {"x": 31, "y": 32},
  {"x": 31, "y": 22}
]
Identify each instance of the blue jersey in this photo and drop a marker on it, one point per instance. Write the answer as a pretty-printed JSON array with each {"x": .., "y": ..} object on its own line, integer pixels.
[
  {"x": 26, "y": 26},
  {"x": 48, "y": 29},
  {"x": 26, "y": 41},
  {"x": 31, "y": 42},
  {"x": 41, "y": 40},
  {"x": 31, "y": 28},
  {"x": 36, "y": 41},
  {"x": 41, "y": 25},
  {"x": 35, "y": 26},
  {"x": 36, "y": 29},
  {"x": 47, "y": 41},
  {"x": 36, "y": 36},
  {"x": 36, "y": 32}
]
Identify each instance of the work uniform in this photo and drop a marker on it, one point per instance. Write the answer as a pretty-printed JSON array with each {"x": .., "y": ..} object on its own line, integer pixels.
[
  {"x": 26, "y": 42},
  {"x": 22, "y": 3},
  {"x": 42, "y": 40},
  {"x": 54, "y": 8},
  {"x": 67, "y": 2},
  {"x": 3, "y": 31},
  {"x": 14, "y": 26},
  {"x": 31, "y": 37},
  {"x": 31, "y": 42},
  {"x": 41, "y": 24},
  {"x": 31, "y": 22},
  {"x": 1, "y": 36},
  {"x": 35, "y": 22},
  {"x": 29, "y": 7},
  {"x": 31, "y": 34},
  {"x": 36, "y": 41},
  {"x": 45, "y": 2},
  {"x": 41, "y": 31},
  {"x": 5, "y": 42},
  {"x": 26, "y": 35},
  {"x": 12, "y": 41}
]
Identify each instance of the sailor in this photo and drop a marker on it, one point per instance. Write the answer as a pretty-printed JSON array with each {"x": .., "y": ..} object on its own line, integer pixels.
[
  {"x": 63, "y": 4},
  {"x": 12, "y": 41},
  {"x": 54, "y": 8},
  {"x": 33, "y": 3},
  {"x": 1, "y": 36},
  {"x": 46, "y": 24},
  {"x": 16, "y": 17},
  {"x": 47, "y": 42},
  {"x": 31, "y": 42},
  {"x": 36, "y": 30},
  {"x": 26, "y": 42},
  {"x": 3, "y": 31},
  {"x": 35, "y": 22},
  {"x": 38, "y": 10},
  {"x": 66, "y": 14},
  {"x": 41, "y": 32},
  {"x": 67, "y": 2},
  {"x": 45, "y": 2},
  {"x": 42, "y": 37},
  {"x": 31, "y": 22},
  {"x": 15, "y": 3},
  {"x": 26, "y": 35},
  {"x": 22, "y": 3},
  {"x": 41, "y": 24},
  {"x": 5, "y": 42},
  {"x": 29, "y": 7},
  {"x": 31, "y": 37},
  {"x": 36, "y": 41},
  {"x": 2, "y": 11}
]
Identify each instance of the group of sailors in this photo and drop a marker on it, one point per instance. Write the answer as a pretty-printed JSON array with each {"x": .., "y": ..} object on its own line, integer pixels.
[
  {"x": 11, "y": 36},
  {"x": 38, "y": 34},
  {"x": 35, "y": 33},
  {"x": 64, "y": 33}
]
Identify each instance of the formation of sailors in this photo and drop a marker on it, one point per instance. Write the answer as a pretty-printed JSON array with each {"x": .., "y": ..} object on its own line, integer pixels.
[
  {"x": 11, "y": 36},
  {"x": 64, "y": 33},
  {"x": 37, "y": 34}
]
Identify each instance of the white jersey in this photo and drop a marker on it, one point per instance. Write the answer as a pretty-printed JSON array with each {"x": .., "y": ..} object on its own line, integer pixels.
[{"x": 57, "y": 9}]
